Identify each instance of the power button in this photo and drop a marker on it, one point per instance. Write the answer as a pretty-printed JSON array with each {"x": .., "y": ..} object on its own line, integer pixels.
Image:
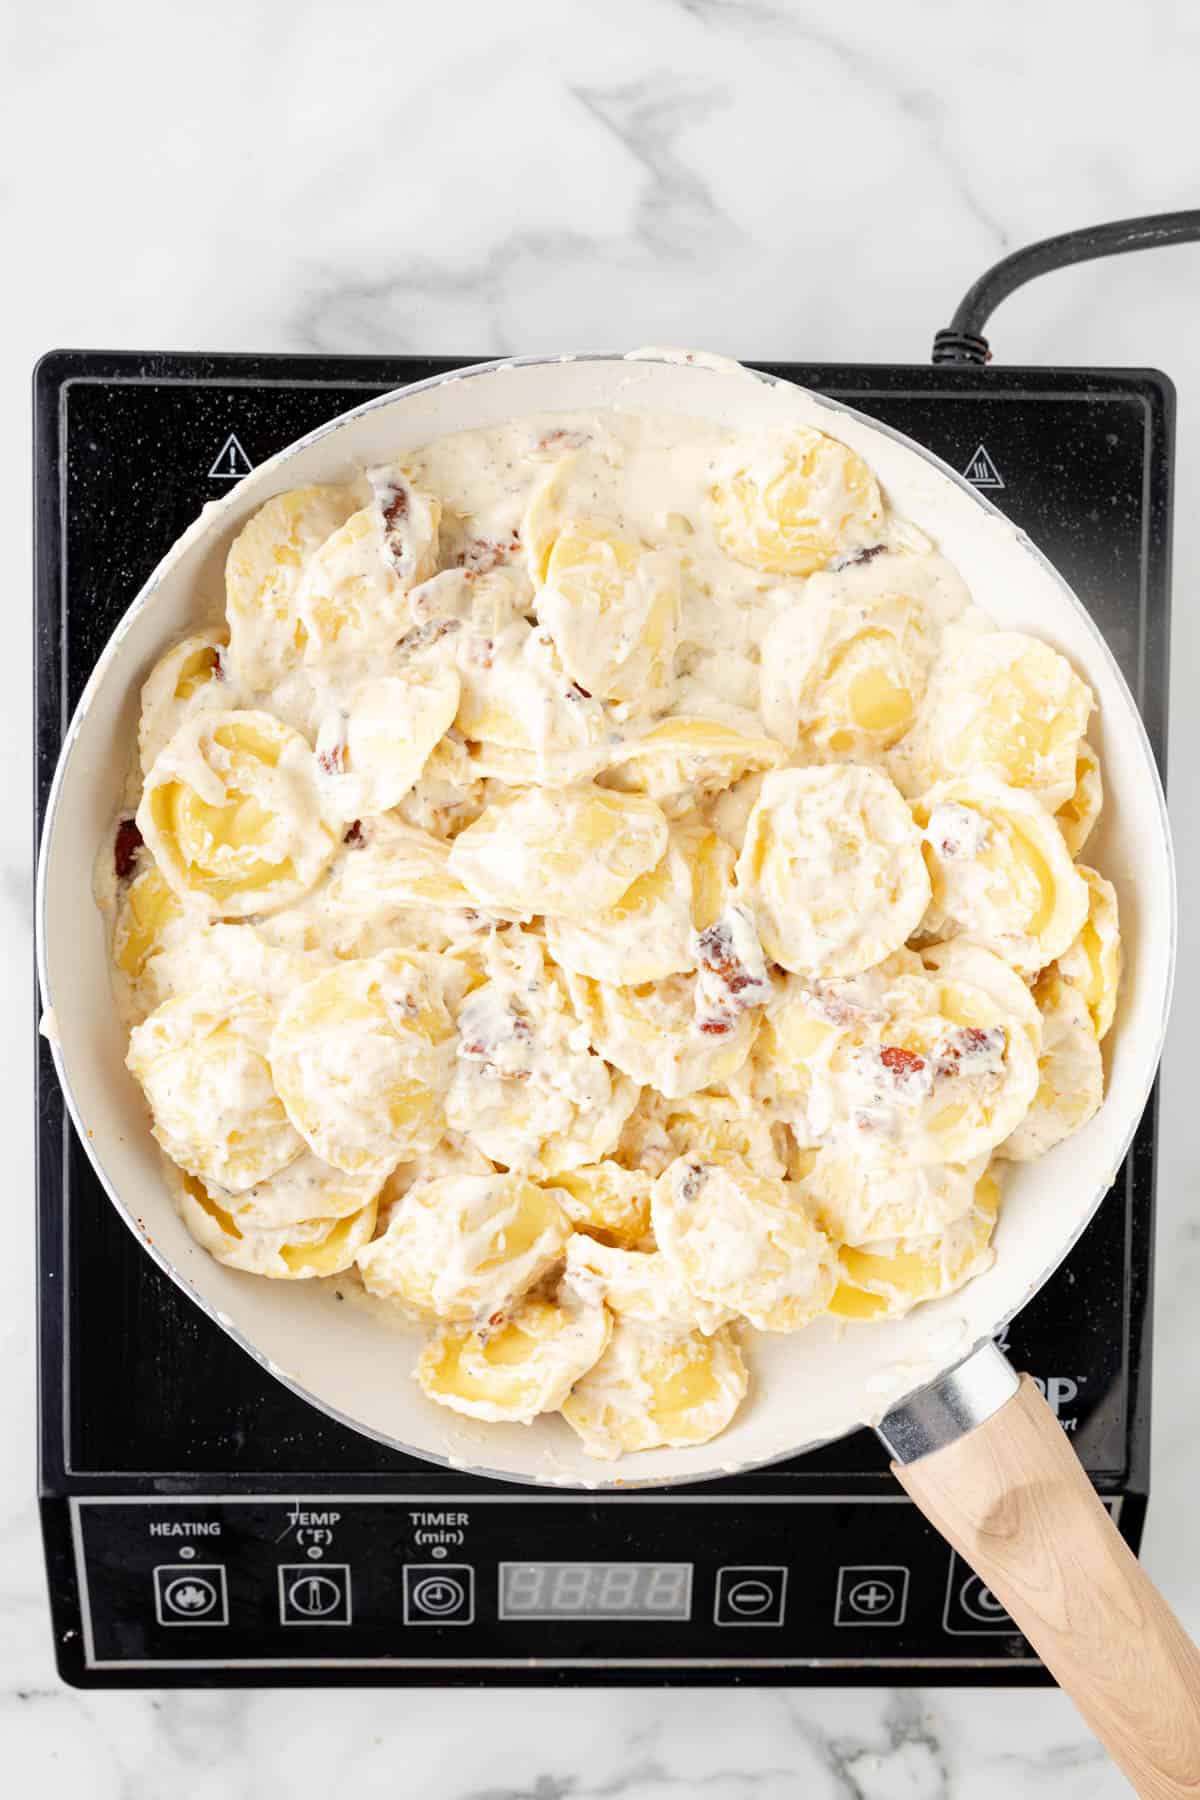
[{"x": 439, "y": 1593}]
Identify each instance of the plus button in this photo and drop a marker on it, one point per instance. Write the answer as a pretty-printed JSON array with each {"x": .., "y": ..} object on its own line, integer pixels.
[{"x": 871, "y": 1597}]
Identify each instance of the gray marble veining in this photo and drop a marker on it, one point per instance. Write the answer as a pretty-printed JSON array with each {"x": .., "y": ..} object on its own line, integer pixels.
[{"x": 771, "y": 177}]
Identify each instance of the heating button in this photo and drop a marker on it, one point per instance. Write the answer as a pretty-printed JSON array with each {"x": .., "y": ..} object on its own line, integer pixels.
[{"x": 190, "y": 1594}]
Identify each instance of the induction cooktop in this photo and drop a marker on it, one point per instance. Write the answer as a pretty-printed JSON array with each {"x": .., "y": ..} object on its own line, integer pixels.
[{"x": 204, "y": 1525}]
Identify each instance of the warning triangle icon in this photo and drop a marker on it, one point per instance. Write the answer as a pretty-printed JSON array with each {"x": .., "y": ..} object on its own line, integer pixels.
[
  {"x": 230, "y": 462},
  {"x": 982, "y": 471}
]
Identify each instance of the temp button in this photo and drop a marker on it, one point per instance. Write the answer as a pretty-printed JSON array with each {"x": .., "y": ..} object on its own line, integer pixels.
[
  {"x": 750, "y": 1594},
  {"x": 439, "y": 1593},
  {"x": 314, "y": 1594}
]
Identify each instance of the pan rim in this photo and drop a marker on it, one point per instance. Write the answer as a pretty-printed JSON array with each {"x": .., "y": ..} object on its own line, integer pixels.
[{"x": 207, "y": 521}]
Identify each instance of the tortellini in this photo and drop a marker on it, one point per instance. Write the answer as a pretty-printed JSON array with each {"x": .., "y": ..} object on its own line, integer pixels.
[
  {"x": 189, "y": 679},
  {"x": 525, "y": 1364},
  {"x": 794, "y": 501},
  {"x": 1092, "y": 962},
  {"x": 858, "y": 1201},
  {"x": 654, "y": 1387},
  {"x": 568, "y": 853},
  {"x": 1005, "y": 705},
  {"x": 712, "y": 1126},
  {"x": 603, "y": 892},
  {"x": 744, "y": 1241},
  {"x": 844, "y": 669},
  {"x": 999, "y": 871},
  {"x": 650, "y": 932},
  {"x": 886, "y": 1279},
  {"x": 612, "y": 609},
  {"x": 1070, "y": 1072},
  {"x": 1077, "y": 815},
  {"x": 306, "y": 1189},
  {"x": 524, "y": 719},
  {"x": 395, "y": 867},
  {"x": 641, "y": 1285},
  {"x": 150, "y": 913},
  {"x": 466, "y": 1247},
  {"x": 905, "y": 1066},
  {"x": 262, "y": 578},
  {"x": 233, "y": 815},
  {"x": 202, "y": 1063},
  {"x": 293, "y": 1251},
  {"x": 606, "y": 1202},
  {"x": 686, "y": 758},
  {"x": 360, "y": 1056},
  {"x": 831, "y": 866},
  {"x": 352, "y": 601},
  {"x": 662, "y": 1034},
  {"x": 371, "y": 756},
  {"x": 525, "y": 1083}
]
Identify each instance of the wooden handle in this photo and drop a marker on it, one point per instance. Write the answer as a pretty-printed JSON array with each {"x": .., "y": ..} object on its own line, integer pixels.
[{"x": 1012, "y": 1498}]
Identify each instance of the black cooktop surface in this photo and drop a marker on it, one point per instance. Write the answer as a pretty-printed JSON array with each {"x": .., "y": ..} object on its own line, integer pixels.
[{"x": 145, "y": 1399}]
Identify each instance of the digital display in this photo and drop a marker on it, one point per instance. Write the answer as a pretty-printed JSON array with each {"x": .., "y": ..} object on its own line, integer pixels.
[{"x": 583, "y": 1590}]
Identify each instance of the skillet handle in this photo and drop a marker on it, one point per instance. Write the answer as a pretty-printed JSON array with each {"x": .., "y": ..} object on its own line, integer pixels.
[{"x": 1012, "y": 1497}]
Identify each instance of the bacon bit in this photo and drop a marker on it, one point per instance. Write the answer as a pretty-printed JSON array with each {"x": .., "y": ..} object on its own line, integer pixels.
[
  {"x": 575, "y": 692},
  {"x": 857, "y": 556},
  {"x": 717, "y": 956},
  {"x": 971, "y": 1043},
  {"x": 429, "y": 632},
  {"x": 562, "y": 439},
  {"x": 714, "y": 947},
  {"x": 480, "y": 556},
  {"x": 901, "y": 1062},
  {"x": 333, "y": 761},
  {"x": 393, "y": 496},
  {"x": 693, "y": 1181},
  {"x": 355, "y": 836},
  {"x": 716, "y": 1027},
  {"x": 954, "y": 829},
  {"x": 126, "y": 845},
  {"x": 832, "y": 1007},
  {"x": 495, "y": 1319}
]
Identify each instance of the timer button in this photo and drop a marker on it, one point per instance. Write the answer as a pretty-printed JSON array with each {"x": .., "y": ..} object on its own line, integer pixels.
[
  {"x": 750, "y": 1594},
  {"x": 439, "y": 1593}
]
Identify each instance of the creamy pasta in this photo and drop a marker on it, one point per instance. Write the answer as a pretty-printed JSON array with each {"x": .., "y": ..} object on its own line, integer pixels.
[{"x": 604, "y": 890}]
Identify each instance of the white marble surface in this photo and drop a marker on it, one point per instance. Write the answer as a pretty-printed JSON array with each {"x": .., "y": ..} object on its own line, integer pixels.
[{"x": 782, "y": 177}]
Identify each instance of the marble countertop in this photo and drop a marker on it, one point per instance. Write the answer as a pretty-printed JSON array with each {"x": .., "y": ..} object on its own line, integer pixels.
[{"x": 764, "y": 177}]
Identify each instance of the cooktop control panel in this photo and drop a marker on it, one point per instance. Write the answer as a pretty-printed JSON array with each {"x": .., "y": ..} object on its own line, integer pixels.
[{"x": 466, "y": 1583}]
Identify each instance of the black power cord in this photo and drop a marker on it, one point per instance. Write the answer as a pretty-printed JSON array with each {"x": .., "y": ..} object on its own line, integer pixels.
[{"x": 962, "y": 341}]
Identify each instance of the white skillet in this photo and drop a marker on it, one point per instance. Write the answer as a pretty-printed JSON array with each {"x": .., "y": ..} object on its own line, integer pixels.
[{"x": 806, "y": 1388}]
